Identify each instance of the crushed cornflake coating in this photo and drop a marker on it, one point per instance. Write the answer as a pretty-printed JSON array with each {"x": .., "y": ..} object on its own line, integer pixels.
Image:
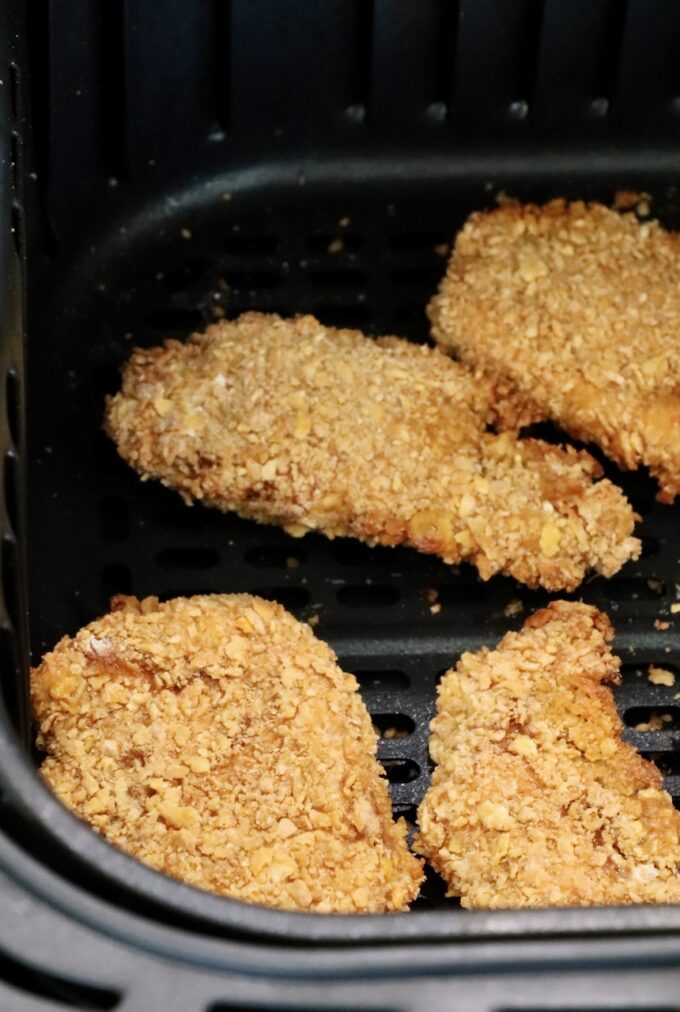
[
  {"x": 217, "y": 740},
  {"x": 536, "y": 800},
  {"x": 513, "y": 608},
  {"x": 655, "y": 723},
  {"x": 660, "y": 676},
  {"x": 290, "y": 422},
  {"x": 579, "y": 306},
  {"x": 633, "y": 200}
]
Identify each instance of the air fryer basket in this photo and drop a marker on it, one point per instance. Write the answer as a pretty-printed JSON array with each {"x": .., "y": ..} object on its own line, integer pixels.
[{"x": 188, "y": 160}]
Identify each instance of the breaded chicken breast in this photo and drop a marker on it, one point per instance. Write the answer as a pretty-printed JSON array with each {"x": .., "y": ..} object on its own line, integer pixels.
[
  {"x": 217, "y": 740},
  {"x": 536, "y": 800},
  {"x": 579, "y": 306},
  {"x": 291, "y": 422}
]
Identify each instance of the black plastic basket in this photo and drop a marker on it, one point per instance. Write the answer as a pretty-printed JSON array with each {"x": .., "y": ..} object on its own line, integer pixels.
[{"x": 164, "y": 163}]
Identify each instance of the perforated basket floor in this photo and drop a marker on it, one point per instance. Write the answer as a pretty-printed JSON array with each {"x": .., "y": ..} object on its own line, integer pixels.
[{"x": 371, "y": 260}]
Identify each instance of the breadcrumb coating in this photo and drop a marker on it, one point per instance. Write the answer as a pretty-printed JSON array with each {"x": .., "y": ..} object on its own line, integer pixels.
[
  {"x": 291, "y": 422},
  {"x": 579, "y": 306},
  {"x": 536, "y": 800},
  {"x": 217, "y": 740}
]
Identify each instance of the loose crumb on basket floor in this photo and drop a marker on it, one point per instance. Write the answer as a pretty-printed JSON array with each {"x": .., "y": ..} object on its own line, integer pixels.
[
  {"x": 579, "y": 306},
  {"x": 217, "y": 740},
  {"x": 535, "y": 799},
  {"x": 660, "y": 676},
  {"x": 294, "y": 423}
]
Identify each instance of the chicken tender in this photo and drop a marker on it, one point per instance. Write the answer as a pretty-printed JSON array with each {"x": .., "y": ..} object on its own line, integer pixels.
[
  {"x": 290, "y": 422},
  {"x": 217, "y": 740},
  {"x": 536, "y": 800},
  {"x": 579, "y": 306}
]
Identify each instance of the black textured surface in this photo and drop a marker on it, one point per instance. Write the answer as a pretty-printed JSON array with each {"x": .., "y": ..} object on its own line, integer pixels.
[{"x": 204, "y": 156}]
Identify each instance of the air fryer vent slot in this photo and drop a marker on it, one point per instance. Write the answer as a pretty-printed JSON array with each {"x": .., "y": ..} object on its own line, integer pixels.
[
  {"x": 401, "y": 771},
  {"x": 382, "y": 681},
  {"x": 292, "y": 598},
  {"x": 12, "y": 402},
  {"x": 373, "y": 595},
  {"x": 187, "y": 557},
  {"x": 391, "y": 726},
  {"x": 653, "y": 718},
  {"x": 275, "y": 556}
]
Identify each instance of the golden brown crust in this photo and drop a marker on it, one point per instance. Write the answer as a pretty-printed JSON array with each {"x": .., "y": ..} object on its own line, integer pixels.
[
  {"x": 536, "y": 800},
  {"x": 290, "y": 422},
  {"x": 579, "y": 306},
  {"x": 216, "y": 739}
]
